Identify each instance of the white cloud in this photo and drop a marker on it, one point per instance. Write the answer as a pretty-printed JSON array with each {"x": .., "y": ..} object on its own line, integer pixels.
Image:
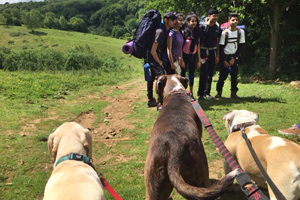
[{"x": 16, "y": 1}]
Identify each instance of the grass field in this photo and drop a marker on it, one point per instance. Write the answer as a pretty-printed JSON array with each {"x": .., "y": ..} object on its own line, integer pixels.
[{"x": 34, "y": 104}]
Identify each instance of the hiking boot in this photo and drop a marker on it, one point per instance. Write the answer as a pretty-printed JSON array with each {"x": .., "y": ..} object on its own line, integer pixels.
[
  {"x": 192, "y": 96},
  {"x": 294, "y": 130},
  {"x": 152, "y": 102},
  {"x": 200, "y": 97},
  {"x": 234, "y": 96},
  {"x": 218, "y": 96},
  {"x": 158, "y": 107},
  {"x": 208, "y": 97}
]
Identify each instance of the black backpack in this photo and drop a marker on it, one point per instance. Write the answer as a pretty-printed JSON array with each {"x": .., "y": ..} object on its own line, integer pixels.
[{"x": 144, "y": 34}]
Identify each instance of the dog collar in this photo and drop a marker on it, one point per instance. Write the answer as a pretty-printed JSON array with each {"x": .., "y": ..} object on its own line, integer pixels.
[
  {"x": 237, "y": 127},
  {"x": 177, "y": 92},
  {"x": 75, "y": 156}
]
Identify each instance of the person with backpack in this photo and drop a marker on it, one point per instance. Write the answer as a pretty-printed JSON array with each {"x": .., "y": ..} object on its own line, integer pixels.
[
  {"x": 191, "y": 48},
  {"x": 174, "y": 46},
  {"x": 231, "y": 44},
  {"x": 155, "y": 56},
  {"x": 210, "y": 32}
]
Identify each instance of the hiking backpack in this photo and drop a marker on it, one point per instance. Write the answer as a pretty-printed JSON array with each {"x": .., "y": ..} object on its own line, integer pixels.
[
  {"x": 225, "y": 26},
  {"x": 144, "y": 34},
  {"x": 227, "y": 33}
]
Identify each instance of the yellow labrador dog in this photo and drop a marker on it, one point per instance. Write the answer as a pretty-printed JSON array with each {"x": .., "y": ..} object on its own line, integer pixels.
[
  {"x": 72, "y": 178},
  {"x": 279, "y": 157}
]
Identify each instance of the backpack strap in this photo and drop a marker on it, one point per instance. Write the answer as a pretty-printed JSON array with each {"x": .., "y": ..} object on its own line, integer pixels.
[
  {"x": 226, "y": 37},
  {"x": 238, "y": 35},
  {"x": 173, "y": 36}
]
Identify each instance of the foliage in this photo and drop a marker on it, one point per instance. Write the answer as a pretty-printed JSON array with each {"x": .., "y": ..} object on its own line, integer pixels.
[
  {"x": 119, "y": 19},
  {"x": 32, "y": 19}
]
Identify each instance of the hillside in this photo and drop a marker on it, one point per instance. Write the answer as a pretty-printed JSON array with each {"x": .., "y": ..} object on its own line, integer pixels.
[{"x": 19, "y": 39}]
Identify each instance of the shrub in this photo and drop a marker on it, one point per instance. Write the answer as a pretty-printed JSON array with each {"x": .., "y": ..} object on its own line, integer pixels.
[
  {"x": 111, "y": 64},
  {"x": 34, "y": 60},
  {"x": 76, "y": 60}
]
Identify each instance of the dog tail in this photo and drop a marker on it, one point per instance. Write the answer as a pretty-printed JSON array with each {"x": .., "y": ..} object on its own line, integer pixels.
[{"x": 197, "y": 193}]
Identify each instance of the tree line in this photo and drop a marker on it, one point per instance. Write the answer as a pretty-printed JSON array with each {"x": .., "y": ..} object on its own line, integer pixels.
[{"x": 272, "y": 26}]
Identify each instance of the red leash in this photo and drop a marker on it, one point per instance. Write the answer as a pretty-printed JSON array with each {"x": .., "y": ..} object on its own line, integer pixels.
[{"x": 109, "y": 188}]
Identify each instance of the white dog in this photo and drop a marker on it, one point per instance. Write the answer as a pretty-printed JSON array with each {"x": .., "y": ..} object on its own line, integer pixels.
[
  {"x": 72, "y": 179},
  {"x": 279, "y": 157}
]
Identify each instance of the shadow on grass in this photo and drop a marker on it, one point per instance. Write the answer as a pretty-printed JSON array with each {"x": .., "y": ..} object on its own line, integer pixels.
[
  {"x": 38, "y": 33},
  {"x": 206, "y": 104}
]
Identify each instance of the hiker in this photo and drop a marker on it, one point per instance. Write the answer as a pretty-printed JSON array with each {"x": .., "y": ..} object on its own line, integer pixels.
[
  {"x": 209, "y": 47},
  {"x": 173, "y": 55},
  {"x": 231, "y": 43},
  {"x": 155, "y": 56},
  {"x": 191, "y": 48}
]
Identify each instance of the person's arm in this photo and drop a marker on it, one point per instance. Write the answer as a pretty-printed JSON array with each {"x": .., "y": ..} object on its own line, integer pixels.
[
  {"x": 181, "y": 61},
  {"x": 154, "y": 53},
  {"x": 169, "y": 51},
  {"x": 198, "y": 54},
  {"x": 218, "y": 51}
]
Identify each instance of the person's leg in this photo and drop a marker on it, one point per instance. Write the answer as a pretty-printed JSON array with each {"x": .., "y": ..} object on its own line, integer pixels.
[
  {"x": 210, "y": 73},
  {"x": 168, "y": 68},
  {"x": 185, "y": 60},
  {"x": 202, "y": 79},
  {"x": 192, "y": 67},
  {"x": 222, "y": 77},
  {"x": 234, "y": 82},
  {"x": 151, "y": 101},
  {"x": 202, "y": 74}
]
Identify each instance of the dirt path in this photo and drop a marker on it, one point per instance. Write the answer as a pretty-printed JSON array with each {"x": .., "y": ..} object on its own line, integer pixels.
[{"x": 110, "y": 129}]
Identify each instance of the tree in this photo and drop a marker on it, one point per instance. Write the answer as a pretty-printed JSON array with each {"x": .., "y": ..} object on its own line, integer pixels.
[
  {"x": 63, "y": 23},
  {"x": 32, "y": 19},
  {"x": 49, "y": 20},
  {"x": 78, "y": 24},
  {"x": 2, "y": 19},
  {"x": 276, "y": 7}
]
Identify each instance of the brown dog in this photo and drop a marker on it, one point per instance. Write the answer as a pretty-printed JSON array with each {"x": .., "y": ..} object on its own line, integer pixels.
[
  {"x": 72, "y": 179},
  {"x": 176, "y": 156},
  {"x": 279, "y": 157}
]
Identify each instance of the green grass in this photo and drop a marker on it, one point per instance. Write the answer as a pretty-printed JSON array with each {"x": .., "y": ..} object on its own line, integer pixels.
[{"x": 49, "y": 99}]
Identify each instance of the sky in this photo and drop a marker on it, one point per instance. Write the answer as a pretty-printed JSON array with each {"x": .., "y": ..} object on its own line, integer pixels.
[{"x": 16, "y": 1}]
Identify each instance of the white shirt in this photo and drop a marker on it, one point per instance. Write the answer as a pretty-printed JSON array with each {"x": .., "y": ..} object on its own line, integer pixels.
[{"x": 232, "y": 44}]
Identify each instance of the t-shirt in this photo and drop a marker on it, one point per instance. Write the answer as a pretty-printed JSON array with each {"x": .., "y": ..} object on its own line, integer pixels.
[
  {"x": 209, "y": 35},
  {"x": 177, "y": 43},
  {"x": 232, "y": 44},
  {"x": 161, "y": 39}
]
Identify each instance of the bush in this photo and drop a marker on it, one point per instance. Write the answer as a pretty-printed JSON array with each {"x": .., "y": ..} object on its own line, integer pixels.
[
  {"x": 47, "y": 59},
  {"x": 111, "y": 64},
  {"x": 34, "y": 60},
  {"x": 75, "y": 60}
]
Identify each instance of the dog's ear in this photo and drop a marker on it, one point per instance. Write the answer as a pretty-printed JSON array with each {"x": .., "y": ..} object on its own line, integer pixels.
[
  {"x": 229, "y": 116},
  {"x": 86, "y": 139},
  {"x": 52, "y": 147},
  {"x": 160, "y": 85},
  {"x": 255, "y": 116},
  {"x": 183, "y": 80}
]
